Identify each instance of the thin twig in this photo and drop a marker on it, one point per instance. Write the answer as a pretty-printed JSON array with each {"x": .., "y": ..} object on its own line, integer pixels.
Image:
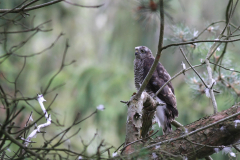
[
  {"x": 15, "y": 82},
  {"x": 23, "y": 9},
  {"x": 79, "y": 5},
  {"x": 138, "y": 141},
  {"x": 224, "y": 67},
  {"x": 193, "y": 68},
  {"x": 20, "y": 145},
  {"x": 119, "y": 147},
  {"x": 196, "y": 37},
  {"x": 28, "y": 30},
  {"x": 159, "y": 52},
  {"x": 199, "y": 41},
  {"x": 235, "y": 146},
  {"x": 60, "y": 69},
  {"x": 9, "y": 11},
  {"x": 176, "y": 75}
]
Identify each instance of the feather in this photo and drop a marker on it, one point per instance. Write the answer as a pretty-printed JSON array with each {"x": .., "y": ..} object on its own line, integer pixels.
[{"x": 142, "y": 64}]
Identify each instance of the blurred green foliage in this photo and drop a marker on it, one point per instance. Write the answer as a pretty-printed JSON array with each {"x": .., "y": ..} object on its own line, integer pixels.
[{"x": 102, "y": 42}]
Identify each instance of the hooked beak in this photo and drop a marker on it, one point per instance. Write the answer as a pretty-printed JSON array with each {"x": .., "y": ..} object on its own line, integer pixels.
[{"x": 136, "y": 52}]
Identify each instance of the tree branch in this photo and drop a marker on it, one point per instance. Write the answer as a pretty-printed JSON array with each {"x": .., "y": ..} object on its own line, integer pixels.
[
  {"x": 176, "y": 75},
  {"x": 20, "y": 145},
  {"x": 79, "y": 5},
  {"x": 23, "y": 9},
  {"x": 159, "y": 52},
  {"x": 216, "y": 131},
  {"x": 193, "y": 68},
  {"x": 199, "y": 41}
]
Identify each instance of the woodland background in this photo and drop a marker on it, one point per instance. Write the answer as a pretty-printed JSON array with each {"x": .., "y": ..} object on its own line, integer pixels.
[{"x": 102, "y": 42}]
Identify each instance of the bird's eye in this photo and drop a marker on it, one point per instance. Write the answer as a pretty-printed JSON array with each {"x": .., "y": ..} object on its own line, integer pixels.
[{"x": 142, "y": 50}]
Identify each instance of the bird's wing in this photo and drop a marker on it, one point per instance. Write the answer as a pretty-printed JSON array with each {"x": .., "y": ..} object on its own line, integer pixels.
[
  {"x": 158, "y": 79},
  {"x": 166, "y": 94}
]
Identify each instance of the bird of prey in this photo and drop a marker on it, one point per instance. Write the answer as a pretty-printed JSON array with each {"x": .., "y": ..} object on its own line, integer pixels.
[{"x": 142, "y": 64}]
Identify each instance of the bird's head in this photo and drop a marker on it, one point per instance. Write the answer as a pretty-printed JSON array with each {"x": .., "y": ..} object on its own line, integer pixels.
[{"x": 142, "y": 52}]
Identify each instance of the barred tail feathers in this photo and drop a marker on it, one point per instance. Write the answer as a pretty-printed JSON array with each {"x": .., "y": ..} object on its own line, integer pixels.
[{"x": 163, "y": 120}]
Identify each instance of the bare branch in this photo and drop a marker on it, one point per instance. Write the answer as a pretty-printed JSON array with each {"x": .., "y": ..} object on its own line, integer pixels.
[
  {"x": 224, "y": 67},
  {"x": 193, "y": 68},
  {"x": 10, "y": 10},
  {"x": 176, "y": 75},
  {"x": 196, "y": 37},
  {"x": 79, "y": 5},
  {"x": 20, "y": 145},
  {"x": 44, "y": 50},
  {"x": 15, "y": 82},
  {"x": 137, "y": 141},
  {"x": 159, "y": 52},
  {"x": 60, "y": 69},
  {"x": 199, "y": 41},
  {"x": 23, "y": 9},
  {"x": 29, "y": 30}
]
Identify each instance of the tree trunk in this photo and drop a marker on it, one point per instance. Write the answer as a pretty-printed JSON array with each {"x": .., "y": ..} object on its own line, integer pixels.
[{"x": 139, "y": 120}]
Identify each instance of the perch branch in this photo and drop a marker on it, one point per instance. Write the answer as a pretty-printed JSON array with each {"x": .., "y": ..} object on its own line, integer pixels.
[{"x": 209, "y": 136}]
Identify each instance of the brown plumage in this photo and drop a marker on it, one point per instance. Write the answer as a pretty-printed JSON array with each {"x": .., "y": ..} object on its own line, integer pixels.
[{"x": 142, "y": 64}]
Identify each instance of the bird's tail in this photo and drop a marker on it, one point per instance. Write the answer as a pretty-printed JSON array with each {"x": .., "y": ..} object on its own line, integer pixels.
[{"x": 163, "y": 119}]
